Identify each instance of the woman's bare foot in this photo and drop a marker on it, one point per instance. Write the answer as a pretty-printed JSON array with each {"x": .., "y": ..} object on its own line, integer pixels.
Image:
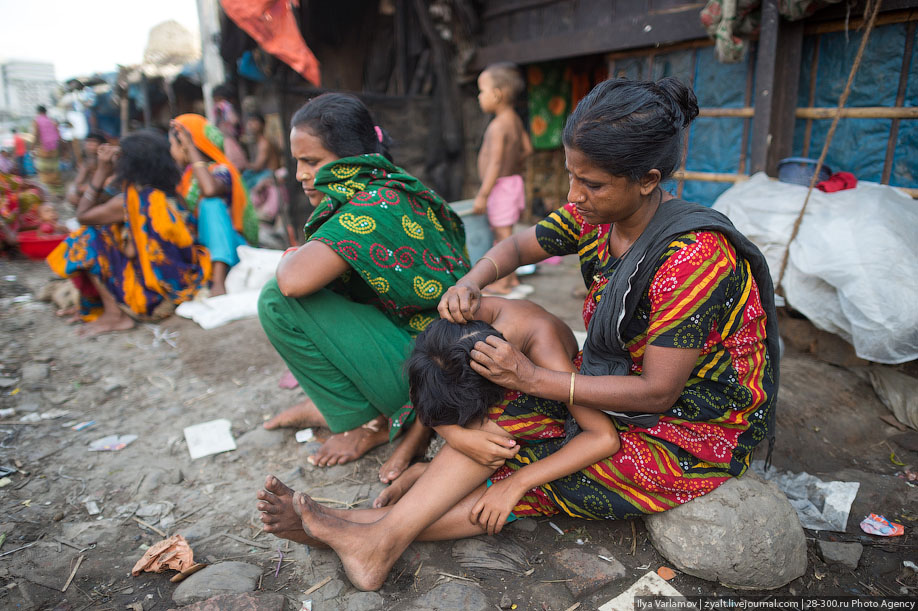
[
  {"x": 107, "y": 323},
  {"x": 351, "y": 445},
  {"x": 364, "y": 549},
  {"x": 400, "y": 486},
  {"x": 413, "y": 445},
  {"x": 71, "y": 311},
  {"x": 275, "y": 502},
  {"x": 300, "y": 416}
]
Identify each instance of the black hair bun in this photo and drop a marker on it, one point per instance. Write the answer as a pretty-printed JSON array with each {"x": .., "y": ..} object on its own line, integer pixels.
[{"x": 683, "y": 97}]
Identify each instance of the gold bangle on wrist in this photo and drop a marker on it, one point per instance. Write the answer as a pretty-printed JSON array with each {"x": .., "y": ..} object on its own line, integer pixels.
[
  {"x": 204, "y": 163},
  {"x": 570, "y": 399},
  {"x": 494, "y": 263}
]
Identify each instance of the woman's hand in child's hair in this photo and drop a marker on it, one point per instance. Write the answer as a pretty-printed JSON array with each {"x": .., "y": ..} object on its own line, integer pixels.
[
  {"x": 502, "y": 363},
  {"x": 495, "y": 505},
  {"x": 481, "y": 204},
  {"x": 485, "y": 448},
  {"x": 460, "y": 302}
]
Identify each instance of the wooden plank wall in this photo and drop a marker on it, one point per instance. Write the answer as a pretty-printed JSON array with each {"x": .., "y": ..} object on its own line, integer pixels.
[{"x": 526, "y": 31}]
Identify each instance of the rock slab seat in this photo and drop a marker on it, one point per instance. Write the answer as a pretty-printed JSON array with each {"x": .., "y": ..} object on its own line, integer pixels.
[
  {"x": 220, "y": 578},
  {"x": 745, "y": 534}
]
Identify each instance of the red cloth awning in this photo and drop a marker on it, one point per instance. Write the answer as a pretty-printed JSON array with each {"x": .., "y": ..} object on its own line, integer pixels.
[{"x": 272, "y": 24}]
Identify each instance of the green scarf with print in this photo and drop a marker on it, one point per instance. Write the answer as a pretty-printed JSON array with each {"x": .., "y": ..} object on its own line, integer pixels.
[{"x": 405, "y": 246}]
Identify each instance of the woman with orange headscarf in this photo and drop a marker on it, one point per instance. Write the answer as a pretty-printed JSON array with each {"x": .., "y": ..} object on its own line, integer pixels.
[{"x": 214, "y": 192}]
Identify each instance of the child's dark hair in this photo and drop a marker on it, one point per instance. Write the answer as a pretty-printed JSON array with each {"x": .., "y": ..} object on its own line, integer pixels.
[
  {"x": 631, "y": 127},
  {"x": 145, "y": 160},
  {"x": 507, "y": 78},
  {"x": 344, "y": 125},
  {"x": 443, "y": 387}
]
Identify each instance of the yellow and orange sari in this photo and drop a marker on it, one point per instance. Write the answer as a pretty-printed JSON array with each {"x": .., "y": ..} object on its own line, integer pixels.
[{"x": 167, "y": 265}]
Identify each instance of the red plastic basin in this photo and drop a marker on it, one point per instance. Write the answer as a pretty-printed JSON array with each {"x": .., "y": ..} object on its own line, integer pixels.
[{"x": 36, "y": 245}]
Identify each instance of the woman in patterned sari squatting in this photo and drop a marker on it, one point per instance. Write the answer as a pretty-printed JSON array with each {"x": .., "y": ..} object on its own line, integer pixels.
[
  {"x": 681, "y": 354},
  {"x": 135, "y": 256},
  {"x": 213, "y": 190},
  {"x": 381, "y": 248}
]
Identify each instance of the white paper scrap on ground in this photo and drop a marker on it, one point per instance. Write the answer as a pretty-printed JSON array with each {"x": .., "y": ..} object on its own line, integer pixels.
[
  {"x": 820, "y": 505},
  {"x": 650, "y": 584},
  {"x": 209, "y": 438},
  {"x": 304, "y": 436}
]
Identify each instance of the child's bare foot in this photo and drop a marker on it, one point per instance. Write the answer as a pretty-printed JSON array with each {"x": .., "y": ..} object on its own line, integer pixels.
[
  {"x": 351, "y": 445},
  {"x": 413, "y": 445},
  {"x": 400, "y": 486},
  {"x": 107, "y": 323},
  {"x": 364, "y": 549},
  {"x": 300, "y": 416},
  {"x": 280, "y": 519}
]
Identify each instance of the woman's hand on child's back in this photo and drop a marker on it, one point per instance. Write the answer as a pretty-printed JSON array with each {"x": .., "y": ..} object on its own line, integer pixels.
[{"x": 486, "y": 448}]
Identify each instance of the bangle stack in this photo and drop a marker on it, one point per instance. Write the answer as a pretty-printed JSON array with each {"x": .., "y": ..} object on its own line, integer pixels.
[
  {"x": 203, "y": 163},
  {"x": 570, "y": 398}
]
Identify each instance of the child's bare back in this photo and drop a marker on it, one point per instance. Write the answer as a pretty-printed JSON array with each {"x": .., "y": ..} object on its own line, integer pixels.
[{"x": 505, "y": 144}]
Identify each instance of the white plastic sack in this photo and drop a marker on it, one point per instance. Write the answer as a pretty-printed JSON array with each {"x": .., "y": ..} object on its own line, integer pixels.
[
  {"x": 243, "y": 285},
  {"x": 853, "y": 268}
]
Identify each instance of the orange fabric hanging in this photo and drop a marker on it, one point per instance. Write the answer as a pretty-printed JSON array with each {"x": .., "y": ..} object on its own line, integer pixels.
[{"x": 272, "y": 24}]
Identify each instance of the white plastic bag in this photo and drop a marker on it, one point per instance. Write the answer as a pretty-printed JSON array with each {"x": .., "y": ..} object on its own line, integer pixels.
[{"x": 853, "y": 268}]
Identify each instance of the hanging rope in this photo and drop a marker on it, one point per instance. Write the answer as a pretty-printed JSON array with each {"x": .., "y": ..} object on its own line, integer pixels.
[{"x": 874, "y": 10}]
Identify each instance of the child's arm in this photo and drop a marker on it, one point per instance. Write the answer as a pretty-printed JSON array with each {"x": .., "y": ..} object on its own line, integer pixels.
[
  {"x": 495, "y": 142},
  {"x": 527, "y": 145},
  {"x": 484, "y": 447},
  {"x": 598, "y": 440}
]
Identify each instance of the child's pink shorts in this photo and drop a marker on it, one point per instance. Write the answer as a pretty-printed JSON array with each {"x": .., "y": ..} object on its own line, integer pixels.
[{"x": 506, "y": 201}]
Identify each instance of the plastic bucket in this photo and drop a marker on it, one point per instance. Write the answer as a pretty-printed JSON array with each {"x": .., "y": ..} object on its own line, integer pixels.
[
  {"x": 799, "y": 171},
  {"x": 478, "y": 236}
]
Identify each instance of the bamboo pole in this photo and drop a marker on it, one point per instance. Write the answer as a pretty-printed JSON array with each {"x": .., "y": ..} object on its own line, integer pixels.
[
  {"x": 861, "y": 112},
  {"x": 709, "y": 176}
]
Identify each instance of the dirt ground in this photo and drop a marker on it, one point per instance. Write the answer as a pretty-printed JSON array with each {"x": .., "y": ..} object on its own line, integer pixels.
[{"x": 155, "y": 380}]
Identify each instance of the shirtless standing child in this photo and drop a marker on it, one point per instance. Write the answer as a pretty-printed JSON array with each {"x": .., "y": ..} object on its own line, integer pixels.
[{"x": 500, "y": 161}]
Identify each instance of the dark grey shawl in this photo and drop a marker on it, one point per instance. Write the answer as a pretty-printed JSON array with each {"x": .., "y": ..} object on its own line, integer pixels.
[{"x": 604, "y": 352}]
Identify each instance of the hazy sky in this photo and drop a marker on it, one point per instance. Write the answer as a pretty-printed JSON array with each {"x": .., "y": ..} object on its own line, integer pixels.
[{"x": 84, "y": 36}]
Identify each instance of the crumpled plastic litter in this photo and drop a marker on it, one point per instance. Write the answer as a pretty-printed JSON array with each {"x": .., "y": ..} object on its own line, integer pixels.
[
  {"x": 172, "y": 553},
  {"x": 875, "y": 524},
  {"x": 819, "y": 505}
]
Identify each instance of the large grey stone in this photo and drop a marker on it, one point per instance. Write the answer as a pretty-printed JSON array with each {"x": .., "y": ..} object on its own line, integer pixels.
[
  {"x": 220, "y": 578},
  {"x": 845, "y": 554},
  {"x": 449, "y": 597},
  {"x": 744, "y": 534},
  {"x": 586, "y": 571},
  {"x": 363, "y": 601}
]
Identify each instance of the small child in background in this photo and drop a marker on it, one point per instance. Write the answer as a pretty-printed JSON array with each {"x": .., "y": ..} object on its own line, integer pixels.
[{"x": 500, "y": 161}]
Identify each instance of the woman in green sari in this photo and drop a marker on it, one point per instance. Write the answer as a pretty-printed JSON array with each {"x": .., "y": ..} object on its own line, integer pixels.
[{"x": 381, "y": 249}]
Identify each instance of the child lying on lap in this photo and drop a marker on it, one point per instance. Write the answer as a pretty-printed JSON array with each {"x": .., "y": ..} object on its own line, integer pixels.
[{"x": 450, "y": 393}]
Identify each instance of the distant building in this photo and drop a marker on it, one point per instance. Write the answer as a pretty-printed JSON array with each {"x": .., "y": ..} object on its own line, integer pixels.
[{"x": 23, "y": 86}]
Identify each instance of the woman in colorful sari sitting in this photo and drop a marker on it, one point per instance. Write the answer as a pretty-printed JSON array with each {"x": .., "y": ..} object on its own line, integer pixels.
[
  {"x": 214, "y": 192},
  {"x": 681, "y": 353},
  {"x": 381, "y": 248},
  {"x": 135, "y": 256}
]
